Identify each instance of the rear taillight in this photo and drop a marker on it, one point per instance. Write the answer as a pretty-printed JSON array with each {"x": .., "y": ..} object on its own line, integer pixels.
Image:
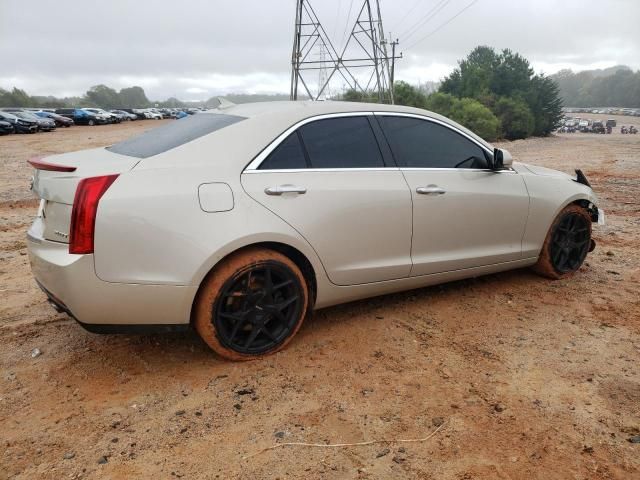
[{"x": 83, "y": 215}]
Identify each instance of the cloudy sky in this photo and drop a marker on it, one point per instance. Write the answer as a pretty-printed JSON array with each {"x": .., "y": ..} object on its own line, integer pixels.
[{"x": 194, "y": 49}]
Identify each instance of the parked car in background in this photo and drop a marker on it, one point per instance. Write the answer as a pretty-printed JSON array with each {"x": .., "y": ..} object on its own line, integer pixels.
[
  {"x": 20, "y": 125},
  {"x": 100, "y": 113},
  {"x": 146, "y": 234},
  {"x": 153, "y": 114},
  {"x": 59, "y": 120},
  {"x": 81, "y": 117},
  {"x": 584, "y": 126},
  {"x": 598, "y": 127},
  {"x": 126, "y": 116},
  {"x": 181, "y": 114},
  {"x": 611, "y": 122},
  {"x": 137, "y": 112},
  {"x": 6, "y": 128},
  {"x": 119, "y": 116},
  {"x": 165, "y": 112},
  {"x": 44, "y": 124}
]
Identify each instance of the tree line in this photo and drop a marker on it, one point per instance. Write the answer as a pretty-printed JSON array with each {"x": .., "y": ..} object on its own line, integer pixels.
[
  {"x": 495, "y": 94},
  {"x": 99, "y": 96},
  {"x": 613, "y": 87}
]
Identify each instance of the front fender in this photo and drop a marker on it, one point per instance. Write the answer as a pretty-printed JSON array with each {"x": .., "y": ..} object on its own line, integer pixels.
[{"x": 548, "y": 196}]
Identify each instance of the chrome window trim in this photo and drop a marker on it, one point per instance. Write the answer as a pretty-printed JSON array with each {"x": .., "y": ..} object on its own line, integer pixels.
[
  {"x": 318, "y": 170},
  {"x": 255, "y": 163}
]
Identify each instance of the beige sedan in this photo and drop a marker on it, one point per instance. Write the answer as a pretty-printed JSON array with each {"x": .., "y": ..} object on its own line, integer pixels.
[{"x": 240, "y": 221}]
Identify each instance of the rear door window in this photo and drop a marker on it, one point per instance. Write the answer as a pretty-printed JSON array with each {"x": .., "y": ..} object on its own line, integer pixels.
[
  {"x": 346, "y": 142},
  {"x": 288, "y": 155}
]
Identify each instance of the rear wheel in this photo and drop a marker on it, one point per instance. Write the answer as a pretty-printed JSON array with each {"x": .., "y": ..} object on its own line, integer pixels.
[
  {"x": 91, "y": 123},
  {"x": 567, "y": 244},
  {"x": 251, "y": 305}
]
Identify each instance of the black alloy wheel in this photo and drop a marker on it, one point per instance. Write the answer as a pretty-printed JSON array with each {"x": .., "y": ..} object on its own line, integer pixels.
[
  {"x": 258, "y": 308},
  {"x": 570, "y": 243}
]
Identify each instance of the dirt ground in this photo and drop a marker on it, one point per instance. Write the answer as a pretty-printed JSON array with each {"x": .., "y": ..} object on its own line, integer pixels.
[{"x": 526, "y": 377}]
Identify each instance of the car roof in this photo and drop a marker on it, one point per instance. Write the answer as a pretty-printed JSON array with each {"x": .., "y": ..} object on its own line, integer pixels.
[{"x": 296, "y": 111}]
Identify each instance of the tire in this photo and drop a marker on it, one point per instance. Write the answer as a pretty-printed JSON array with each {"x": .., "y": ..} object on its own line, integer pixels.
[
  {"x": 237, "y": 302},
  {"x": 91, "y": 123},
  {"x": 566, "y": 245}
]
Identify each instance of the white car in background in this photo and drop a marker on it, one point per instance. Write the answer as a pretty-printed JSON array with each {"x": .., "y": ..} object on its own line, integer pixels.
[
  {"x": 238, "y": 222},
  {"x": 153, "y": 114}
]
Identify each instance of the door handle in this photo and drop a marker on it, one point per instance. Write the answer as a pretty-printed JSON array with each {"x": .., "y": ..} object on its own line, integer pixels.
[
  {"x": 431, "y": 190},
  {"x": 280, "y": 189}
]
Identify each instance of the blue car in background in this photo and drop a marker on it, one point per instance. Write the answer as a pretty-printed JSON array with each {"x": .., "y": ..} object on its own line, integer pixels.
[
  {"x": 181, "y": 114},
  {"x": 81, "y": 117}
]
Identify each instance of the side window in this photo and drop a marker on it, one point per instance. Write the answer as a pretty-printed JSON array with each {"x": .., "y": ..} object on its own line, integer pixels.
[
  {"x": 346, "y": 142},
  {"x": 289, "y": 154},
  {"x": 423, "y": 144}
]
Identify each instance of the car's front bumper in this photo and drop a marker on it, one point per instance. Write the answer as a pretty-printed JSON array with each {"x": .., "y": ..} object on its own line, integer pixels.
[
  {"x": 72, "y": 286},
  {"x": 22, "y": 128}
]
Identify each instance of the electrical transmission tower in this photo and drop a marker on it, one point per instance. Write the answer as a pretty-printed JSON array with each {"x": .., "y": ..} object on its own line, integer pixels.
[
  {"x": 362, "y": 63},
  {"x": 323, "y": 74}
]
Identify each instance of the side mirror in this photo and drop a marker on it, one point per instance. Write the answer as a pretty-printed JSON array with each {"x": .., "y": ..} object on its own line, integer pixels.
[{"x": 502, "y": 159}]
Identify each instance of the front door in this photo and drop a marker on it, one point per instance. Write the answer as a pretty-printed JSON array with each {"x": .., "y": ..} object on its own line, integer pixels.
[{"x": 464, "y": 215}]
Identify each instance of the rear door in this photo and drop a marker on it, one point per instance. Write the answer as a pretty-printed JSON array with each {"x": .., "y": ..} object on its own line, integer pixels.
[
  {"x": 328, "y": 180},
  {"x": 464, "y": 214}
]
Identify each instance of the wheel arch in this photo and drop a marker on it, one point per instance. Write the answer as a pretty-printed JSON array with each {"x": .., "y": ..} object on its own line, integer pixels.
[{"x": 294, "y": 254}]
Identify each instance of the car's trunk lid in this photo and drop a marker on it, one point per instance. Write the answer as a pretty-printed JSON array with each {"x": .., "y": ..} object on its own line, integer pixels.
[{"x": 57, "y": 189}]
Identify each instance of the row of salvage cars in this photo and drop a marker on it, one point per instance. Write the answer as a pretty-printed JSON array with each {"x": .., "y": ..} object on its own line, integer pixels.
[{"x": 23, "y": 120}]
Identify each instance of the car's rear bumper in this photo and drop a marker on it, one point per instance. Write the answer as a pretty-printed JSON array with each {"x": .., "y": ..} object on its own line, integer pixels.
[{"x": 72, "y": 287}]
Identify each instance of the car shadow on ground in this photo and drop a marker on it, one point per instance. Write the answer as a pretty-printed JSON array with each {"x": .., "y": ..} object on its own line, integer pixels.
[{"x": 156, "y": 350}]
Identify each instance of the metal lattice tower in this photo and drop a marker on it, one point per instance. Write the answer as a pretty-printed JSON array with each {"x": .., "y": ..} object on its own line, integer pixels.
[
  {"x": 323, "y": 73},
  {"x": 363, "y": 62}
]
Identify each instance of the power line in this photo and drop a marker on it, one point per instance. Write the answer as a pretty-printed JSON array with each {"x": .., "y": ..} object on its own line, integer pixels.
[
  {"x": 335, "y": 24},
  {"x": 425, "y": 18},
  {"x": 433, "y": 32},
  {"x": 346, "y": 26},
  {"x": 397, "y": 26}
]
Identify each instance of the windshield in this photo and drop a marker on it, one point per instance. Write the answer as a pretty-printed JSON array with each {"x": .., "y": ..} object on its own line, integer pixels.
[
  {"x": 167, "y": 137},
  {"x": 8, "y": 116},
  {"x": 27, "y": 115}
]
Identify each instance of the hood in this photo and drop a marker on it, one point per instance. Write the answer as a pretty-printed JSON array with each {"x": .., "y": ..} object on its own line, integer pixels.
[{"x": 545, "y": 172}]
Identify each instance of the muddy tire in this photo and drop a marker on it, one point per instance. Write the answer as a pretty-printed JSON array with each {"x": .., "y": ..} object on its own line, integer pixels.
[
  {"x": 567, "y": 244},
  {"x": 251, "y": 304}
]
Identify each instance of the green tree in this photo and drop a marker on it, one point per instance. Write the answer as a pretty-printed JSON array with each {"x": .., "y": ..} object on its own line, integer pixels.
[
  {"x": 477, "y": 118},
  {"x": 516, "y": 118},
  {"x": 474, "y": 75},
  {"x": 408, "y": 95},
  {"x": 467, "y": 112},
  {"x": 442, "y": 103},
  {"x": 505, "y": 83},
  {"x": 353, "y": 95},
  {"x": 133, "y": 97},
  {"x": 103, "y": 96},
  {"x": 15, "y": 98},
  {"x": 545, "y": 104}
]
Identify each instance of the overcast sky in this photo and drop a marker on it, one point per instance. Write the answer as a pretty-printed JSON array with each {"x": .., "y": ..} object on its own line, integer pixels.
[{"x": 194, "y": 49}]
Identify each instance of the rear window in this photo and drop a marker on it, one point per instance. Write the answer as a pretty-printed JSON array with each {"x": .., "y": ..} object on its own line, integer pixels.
[{"x": 178, "y": 132}]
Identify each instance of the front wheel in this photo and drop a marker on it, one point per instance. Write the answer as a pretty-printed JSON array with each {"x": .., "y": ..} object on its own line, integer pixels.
[
  {"x": 567, "y": 244},
  {"x": 91, "y": 123},
  {"x": 252, "y": 304}
]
